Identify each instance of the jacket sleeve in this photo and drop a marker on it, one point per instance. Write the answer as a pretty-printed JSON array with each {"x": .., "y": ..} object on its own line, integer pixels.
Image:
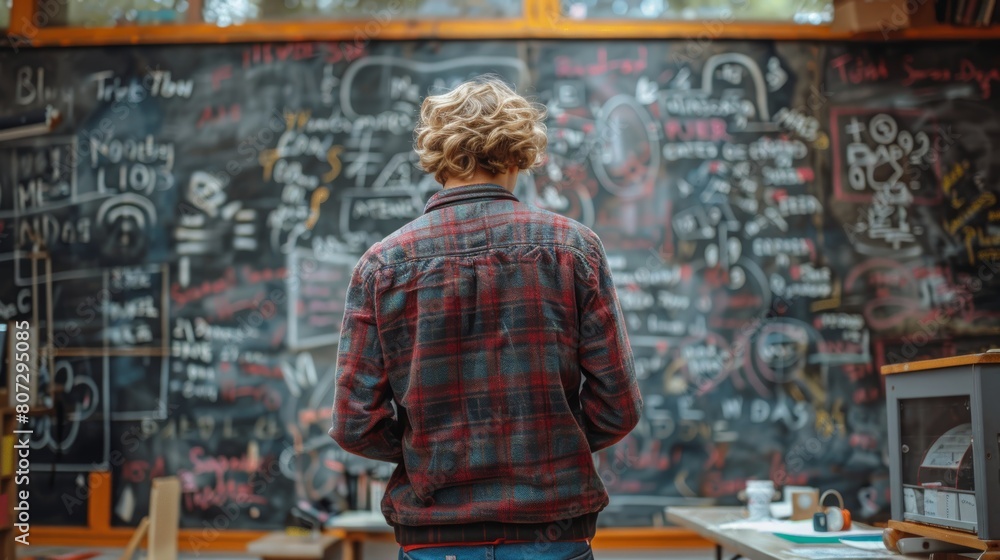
[
  {"x": 364, "y": 421},
  {"x": 610, "y": 396}
]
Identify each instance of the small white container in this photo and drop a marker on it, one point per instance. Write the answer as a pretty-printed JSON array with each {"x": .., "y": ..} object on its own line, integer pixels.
[{"x": 759, "y": 496}]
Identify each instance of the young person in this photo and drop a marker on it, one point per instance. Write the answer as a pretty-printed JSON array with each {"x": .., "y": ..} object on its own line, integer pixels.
[{"x": 483, "y": 350}]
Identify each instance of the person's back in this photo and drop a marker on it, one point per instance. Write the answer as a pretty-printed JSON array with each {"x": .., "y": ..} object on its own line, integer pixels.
[{"x": 466, "y": 339}]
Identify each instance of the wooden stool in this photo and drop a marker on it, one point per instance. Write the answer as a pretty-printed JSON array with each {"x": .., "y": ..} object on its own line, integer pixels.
[{"x": 282, "y": 546}]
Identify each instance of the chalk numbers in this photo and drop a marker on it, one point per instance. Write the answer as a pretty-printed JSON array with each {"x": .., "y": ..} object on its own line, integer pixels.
[{"x": 882, "y": 165}]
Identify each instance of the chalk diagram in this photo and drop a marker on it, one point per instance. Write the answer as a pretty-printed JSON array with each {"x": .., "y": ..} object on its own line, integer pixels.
[
  {"x": 619, "y": 142},
  {"x": 314, "y": 461},
  {"x": 125, "y": 221},
  {"x": 87, "y": 408},
  {"x": 886, "y": 163}
]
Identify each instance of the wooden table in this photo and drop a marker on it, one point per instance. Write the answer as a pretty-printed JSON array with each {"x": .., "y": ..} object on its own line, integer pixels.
[
  {"x": 282, "y": 546},
  {"x": 362, "y": 527},
  {"x": 749, "y": 544}
]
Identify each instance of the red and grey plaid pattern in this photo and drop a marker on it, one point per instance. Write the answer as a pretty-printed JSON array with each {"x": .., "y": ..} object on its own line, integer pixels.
[{"x": 483, "y": 350}]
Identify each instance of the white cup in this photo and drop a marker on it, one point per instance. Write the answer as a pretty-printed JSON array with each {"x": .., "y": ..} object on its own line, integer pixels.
[{"x": 759, "y": 496}]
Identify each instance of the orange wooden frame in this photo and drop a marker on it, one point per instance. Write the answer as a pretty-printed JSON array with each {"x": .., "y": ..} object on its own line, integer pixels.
[{"x": 540, "y": 19}]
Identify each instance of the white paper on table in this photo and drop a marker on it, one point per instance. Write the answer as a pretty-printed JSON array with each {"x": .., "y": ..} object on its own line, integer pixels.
[
  {"x": 764, "y": 526},
  {"x": 836, "y": 552},
  {"x": 873, "y": 546},
  {"x": 799, "y": 528}
]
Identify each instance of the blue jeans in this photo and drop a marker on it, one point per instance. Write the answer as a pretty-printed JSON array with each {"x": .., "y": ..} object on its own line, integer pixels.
[{"x": 516, "y": 551}]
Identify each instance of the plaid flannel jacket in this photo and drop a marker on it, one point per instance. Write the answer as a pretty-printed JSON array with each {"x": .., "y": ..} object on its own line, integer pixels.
[{"x": 483, "y": 350}]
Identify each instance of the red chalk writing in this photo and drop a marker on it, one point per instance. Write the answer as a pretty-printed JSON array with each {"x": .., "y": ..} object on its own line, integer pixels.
[
  {"x": 567, "y": 67},
  {"x": 865, "y": 441},
  {"x": 224, "y": 308},
  {"x": 914, "y": 75},
  {"x": 221, "y": 74},
  {"x": 269, "y": 53},
  {"x": 710, "y": 130},
  {"x": 261, "y": 370},
  {"x": 183, "y": 297},
  {"x": 856, "y": 70},
  {"x": 857, "y": 372},
  {"x": 220, "y": 113},
  {"x": 267, "y": 396},
  {"x": 839, "y": 347},
  {"x": 225, "y": 487},
  {"x": 865, "y": 395},
  {"x": 967, "y": 72},
  {"x": 263, "y": 275},
  {"x": 137, "y": 471},
  {"x": 346, "y": 52}
]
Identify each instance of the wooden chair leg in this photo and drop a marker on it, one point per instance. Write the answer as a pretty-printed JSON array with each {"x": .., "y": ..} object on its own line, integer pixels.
[{"x": 137, "y": 537}]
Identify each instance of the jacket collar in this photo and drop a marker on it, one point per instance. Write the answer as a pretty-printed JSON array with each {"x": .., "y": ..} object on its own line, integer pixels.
[{"x": 467, "y": 193}]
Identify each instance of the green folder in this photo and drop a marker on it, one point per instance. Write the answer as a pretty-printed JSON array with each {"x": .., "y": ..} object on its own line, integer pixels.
[{"x": 826, "y": 538}]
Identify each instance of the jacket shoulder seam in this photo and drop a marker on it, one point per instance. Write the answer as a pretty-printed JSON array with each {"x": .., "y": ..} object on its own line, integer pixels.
[{"x": 471, "y": 252}]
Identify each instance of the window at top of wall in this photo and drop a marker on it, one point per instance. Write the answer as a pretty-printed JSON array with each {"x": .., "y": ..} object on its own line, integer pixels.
[
  {"x": 110, "y": 13},
  {"x": 5, "y": 14},
  {"x": 814, "y": 12},
  {"x": 229, "y": 12}
]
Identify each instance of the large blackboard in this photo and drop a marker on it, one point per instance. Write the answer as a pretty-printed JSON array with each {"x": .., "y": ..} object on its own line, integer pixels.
[{"x": 781, "y": 219}]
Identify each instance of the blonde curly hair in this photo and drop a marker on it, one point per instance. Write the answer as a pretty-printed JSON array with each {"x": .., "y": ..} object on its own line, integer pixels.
[{"x": 482, "y": 123}]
